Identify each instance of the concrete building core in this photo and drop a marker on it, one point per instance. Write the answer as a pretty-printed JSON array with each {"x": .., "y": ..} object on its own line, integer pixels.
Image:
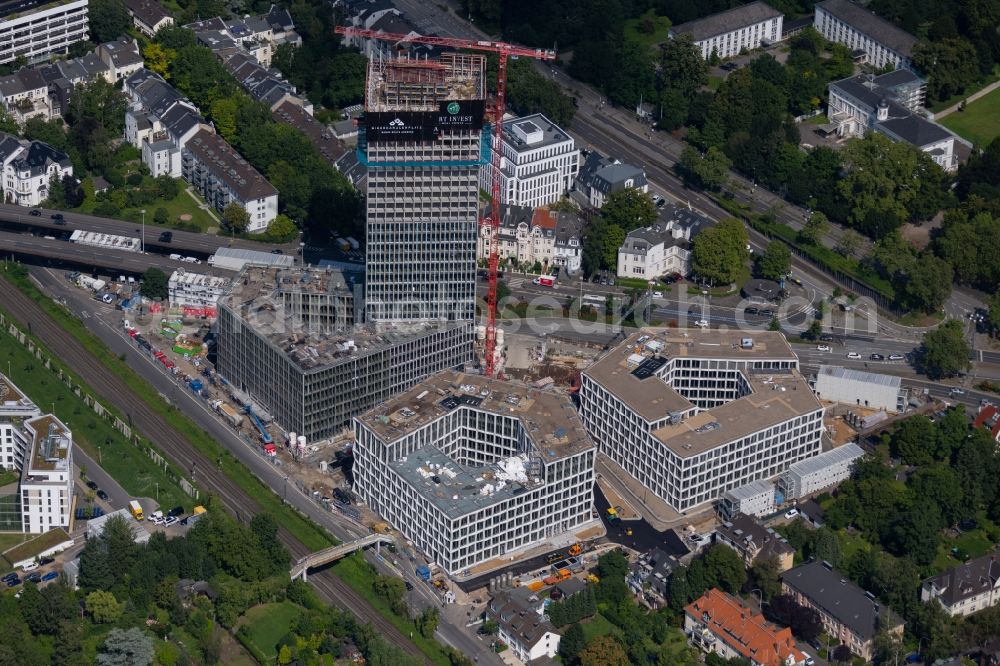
[
  {"x": 691, "y": 414},
  {"x": 470, "y": 468},
  {"x": 290, "y": 338}
]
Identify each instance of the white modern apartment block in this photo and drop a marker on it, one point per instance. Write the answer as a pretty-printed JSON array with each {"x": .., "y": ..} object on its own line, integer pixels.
[
  {"x": 848, "y": 23},
  {"x": 967, "y": 588},
  {"x": 821, "y": 472},
  {"x": 540, "y": 162},
  {"x": 471, "y": 469},
  {"x": 691, "y": 414},
  {"x": 47, "y": 475},
  {"x": 889, "y": 104},
  {"x": 662, "y": 248},
  {"x": 730, "y": 32},
  {"x": 36, "y": 30},
  {"x": 864, "y": 389},
  {"x": 27, "y": 169},
  {"x": 195, "y": 290},
  {"x": 752, "y": 499},
  {"x": 15, "y": 409}
]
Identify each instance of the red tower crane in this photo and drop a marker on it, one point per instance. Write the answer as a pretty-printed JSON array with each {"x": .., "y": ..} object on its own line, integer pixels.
[{"x": 499, "y": 106}]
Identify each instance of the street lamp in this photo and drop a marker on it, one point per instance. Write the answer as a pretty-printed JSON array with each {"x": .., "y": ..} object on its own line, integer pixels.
[{"x": 142, "y": 244}]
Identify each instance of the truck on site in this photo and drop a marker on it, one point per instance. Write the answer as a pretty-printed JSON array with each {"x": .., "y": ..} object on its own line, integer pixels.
[
  {"x": 135, "y": 509},
  {"x": 424, "y": 572},
  {"x": 195, "y": 516},
  {"x": 228, "y": 412},
  {"x": 575, "y": 550},
  {"x": 544, "y": 281}
]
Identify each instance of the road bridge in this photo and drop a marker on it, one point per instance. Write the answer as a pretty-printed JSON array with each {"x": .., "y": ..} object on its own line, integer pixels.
[{"x": 333, "y": 553}]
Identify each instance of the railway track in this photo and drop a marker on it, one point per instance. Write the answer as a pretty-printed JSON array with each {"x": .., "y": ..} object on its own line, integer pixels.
[{"x": 175, "y": 446}]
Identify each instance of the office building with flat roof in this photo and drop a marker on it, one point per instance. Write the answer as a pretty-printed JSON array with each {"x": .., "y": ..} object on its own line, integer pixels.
[
  {"x": 47, "y": 475},
  {"x": 470, "y": 469},
  {"x": 732, "y": 31},
  {"x": 291, "y": 338},
  {"x": 423, "y": 140},
  {"x": 15, "y": 409},
  {"x": 37, "y": 30},
  {"x": 691, "y": 414},
  {"x": 540, "y": 162}
]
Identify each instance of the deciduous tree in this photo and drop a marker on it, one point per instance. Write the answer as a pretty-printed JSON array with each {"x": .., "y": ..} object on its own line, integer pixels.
[
  {"x": 235, "y": 218},
  {"x": 945, "y": 351},
  {"x": 629, "y": 209},
  {"x": 126, "y": 648},
  {"x": 719, "y": 252},
  {"x": 604, "y": 651},
  {"x": 775, "y": 262},
  {"x": 103, "y": 607}
]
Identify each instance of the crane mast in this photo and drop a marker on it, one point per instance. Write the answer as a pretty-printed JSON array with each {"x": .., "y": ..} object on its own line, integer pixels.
[{"x": 499, "y": 107}]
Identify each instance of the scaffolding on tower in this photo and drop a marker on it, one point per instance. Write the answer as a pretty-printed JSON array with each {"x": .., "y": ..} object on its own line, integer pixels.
[{"x": 497, "y": 111}]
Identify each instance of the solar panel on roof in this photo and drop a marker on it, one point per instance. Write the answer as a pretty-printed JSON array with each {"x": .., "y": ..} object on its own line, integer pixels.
[{"x": 649, "y": 367}]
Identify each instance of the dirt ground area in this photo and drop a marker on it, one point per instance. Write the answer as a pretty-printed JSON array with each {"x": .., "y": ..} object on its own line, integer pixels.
[
  {"x": 920, "y": 235},
  {"x": 840, "y": 432}
]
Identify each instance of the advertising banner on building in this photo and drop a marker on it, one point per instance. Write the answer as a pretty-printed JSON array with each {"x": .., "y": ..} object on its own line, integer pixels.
[{"x": 425, "y": 125}]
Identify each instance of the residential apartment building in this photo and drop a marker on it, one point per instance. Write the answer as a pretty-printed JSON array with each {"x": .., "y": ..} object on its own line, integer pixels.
[
  {"x": 553, "y": 239},
  {"x": 721, "y": 623},
  {"x": 148, "y": 16},
  {"x": 292, "y": 340},
  {"x": 540, "y": 162},
  {"x": 856, "y": 387},
  {"x": 861, "y": 30},
  {"x": 28, "y": 168},
  {"x": 15, "y": 409},
  {"x": 196, "y": 290},
  {"x": 819, "y": 473},
  {"x": 47, "y": 475},
  {"x": 663, "y": 248},
  {"x": 424, "y": 144},
  {"x": 751, "y": 540},
  {"x": 526, "y": 632},
  {"x": 651, "y": 573},
  {"x": 122, "y": 57},
  {"x": 471, "y": 469},
  {"x": 889, "y": 104},
  {"x": 691, "y": 414},
  {"x": 25, "y": 95},
  {"x": 751, "y": 499},
  {"x": 37, "y": 30},
  {"x": 849, "y": 614},
  {"x": 222, "y": 177},
  {"x": 967, "y": 588},
  {"x": 733, "y": 31},
  {"x": 600, "y": 177}
]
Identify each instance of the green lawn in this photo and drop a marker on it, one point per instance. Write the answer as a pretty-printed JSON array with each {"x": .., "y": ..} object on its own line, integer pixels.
[
  {"x": 955, "y": 99},
  {"x": 974, "y": 543},
  {"x": 714, "y": 82},
  {"x": 132, "y": 468},
  {"x": 818, "y": 120},
  {"x": 637, "y": 30},
  {"x": 308, "y": 533},
  {"x": 266, "y": 624},
  {"x": 598, "y": 626},
  {"x": 980, "y": 122},
  {"x": 7, "y": 476},
  {"x": 179, "y": 205},
  {"x": 851, "y": 544}
]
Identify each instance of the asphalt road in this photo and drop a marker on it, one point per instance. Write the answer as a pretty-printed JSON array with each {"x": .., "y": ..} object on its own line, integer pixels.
[
  {"x": 110, "y": 388},
  {"x": 202, "y": 244},
  {"x": 90, "y": 258},
  {"x": 117, "y": 497},
  {"x": 333, "y": 588}
]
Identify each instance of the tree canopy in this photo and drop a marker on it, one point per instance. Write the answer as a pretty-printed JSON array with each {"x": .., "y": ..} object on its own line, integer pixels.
[
  {"x": 945, "y": 351},
  {"x": 629, "y": 209},
  {"x": 719, "y": 252}
]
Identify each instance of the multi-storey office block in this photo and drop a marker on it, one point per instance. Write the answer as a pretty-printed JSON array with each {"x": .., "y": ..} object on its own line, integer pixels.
[
  {"x": 470, "y": 469},
  {"x": 692, "y": 414}
]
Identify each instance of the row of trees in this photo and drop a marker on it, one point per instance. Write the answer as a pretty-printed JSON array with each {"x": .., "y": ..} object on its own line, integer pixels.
[
  {"x": 312, "y": 192},
  {"x": 570, "y": 611}
]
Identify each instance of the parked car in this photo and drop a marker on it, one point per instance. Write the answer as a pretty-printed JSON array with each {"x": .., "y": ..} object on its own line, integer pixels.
[
  {"x": 877, "y": 357},
  {"x": 826, "y": 338},
  {"x": 854, "y": 355},
  {"x": 13, "y": 582},
  {"x": 751, "y": 311},
  {"x": 767, "y": 313},
  {"x": 46, "y": 560},
  {"x": 103, "y": 495},
  {"x": 34, "y": 577},
  {"x": 166, "y": 237},
  {"x": 170, "y": 521},
  {"x": 56, "y": 216},
  {"x": 791, "y": 513},
  {"x": 35, "y": 213},
  {"x": 276, "y": 251},
  {"x": 176, "y": 511},
  {"x": 92, "y": 485},
  {"x": 52, "y": 575},
  {"x": 409, "y": 585}
]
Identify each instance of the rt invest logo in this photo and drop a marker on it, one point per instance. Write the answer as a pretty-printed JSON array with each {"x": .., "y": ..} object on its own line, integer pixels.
[{"x": 454, "y": 108}]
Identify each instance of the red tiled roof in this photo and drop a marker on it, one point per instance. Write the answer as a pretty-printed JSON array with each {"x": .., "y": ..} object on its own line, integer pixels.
[
  {"x": 989, "y": 418},
  {"x": 543, "y": 218},
  {"x": 744, "y": 630}
]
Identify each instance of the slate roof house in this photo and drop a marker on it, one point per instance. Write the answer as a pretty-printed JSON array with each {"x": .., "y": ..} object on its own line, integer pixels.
[{"x": 967, "y": 588}]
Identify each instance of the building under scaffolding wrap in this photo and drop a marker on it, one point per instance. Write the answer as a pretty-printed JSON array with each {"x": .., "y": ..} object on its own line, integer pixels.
[{"x": 424, "y": 138}]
